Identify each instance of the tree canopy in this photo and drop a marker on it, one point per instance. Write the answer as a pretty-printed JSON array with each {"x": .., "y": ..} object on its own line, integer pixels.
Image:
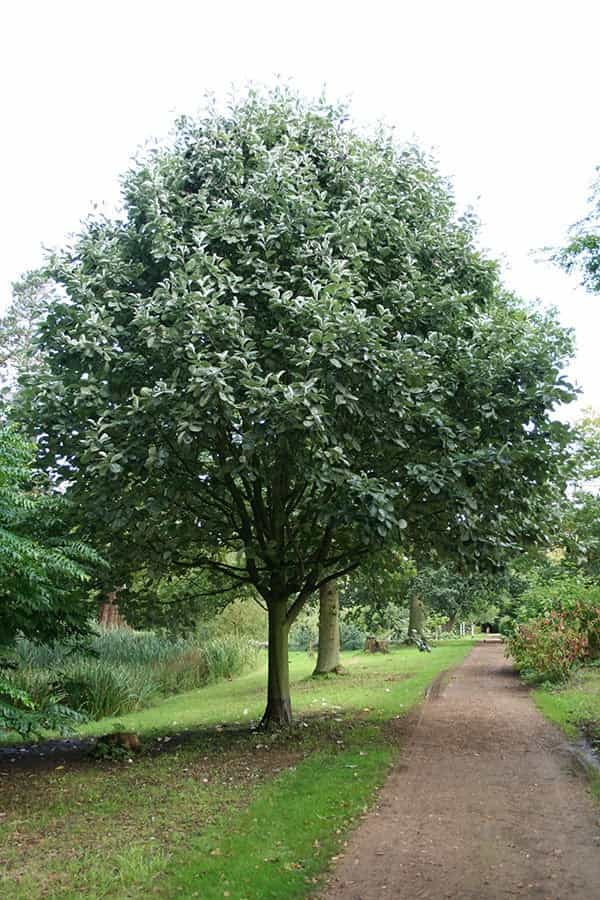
[
  {"x": 289, "y": 348},
  {"x": 582, "y": 252}
]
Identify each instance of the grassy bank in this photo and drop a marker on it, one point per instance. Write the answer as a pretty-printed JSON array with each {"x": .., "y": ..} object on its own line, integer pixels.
[
  {"x": 575, "y": 708},
  {"x": 227, "y": 812},
  {"x": 374, "y": 684},
  {"x": 573, "y": 705}
]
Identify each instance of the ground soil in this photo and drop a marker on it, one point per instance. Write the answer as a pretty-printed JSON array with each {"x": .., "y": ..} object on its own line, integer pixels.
[{"x": 487, "y": 802}]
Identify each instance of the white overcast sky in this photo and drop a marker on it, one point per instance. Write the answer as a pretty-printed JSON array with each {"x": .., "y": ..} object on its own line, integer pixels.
[{"x": 504, "y": 93}]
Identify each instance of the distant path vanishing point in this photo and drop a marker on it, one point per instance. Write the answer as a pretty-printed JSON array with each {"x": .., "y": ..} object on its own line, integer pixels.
[{"x": 486, "y": 802}]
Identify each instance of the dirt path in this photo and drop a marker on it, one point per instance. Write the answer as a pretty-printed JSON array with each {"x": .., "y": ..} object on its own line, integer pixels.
[{"x": 487, "y": 803}]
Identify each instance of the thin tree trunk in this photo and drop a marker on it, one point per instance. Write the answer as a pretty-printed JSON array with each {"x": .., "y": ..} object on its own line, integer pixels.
[
  {"x": 279, "y": 708},
  {"x": 416, "y": 620},
  {"x": 328, "y": 659}
]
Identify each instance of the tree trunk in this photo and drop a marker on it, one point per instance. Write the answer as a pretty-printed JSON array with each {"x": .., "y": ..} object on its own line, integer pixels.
[
  {"x": 109, "y": 616},
  {"x": 416, "y": 620},
  {"x": 328, "y": 659},
  {"x": 279, "y": 708},
  {"x": 449, "y": 625}
]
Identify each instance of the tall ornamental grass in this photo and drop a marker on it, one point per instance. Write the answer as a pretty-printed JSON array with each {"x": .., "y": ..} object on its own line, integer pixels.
[{"x": 120, "y": 670}]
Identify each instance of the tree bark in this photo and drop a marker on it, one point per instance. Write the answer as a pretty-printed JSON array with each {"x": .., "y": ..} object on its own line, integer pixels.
[
  {"x": 278, "y": 713},
  {"x": 109, "y": 616},
  {"x": 416, "y": 620},
  {"x": 449, "y": 625},
  {"x": 373, "y": 645},
  {"x": 328, "y": 658}
]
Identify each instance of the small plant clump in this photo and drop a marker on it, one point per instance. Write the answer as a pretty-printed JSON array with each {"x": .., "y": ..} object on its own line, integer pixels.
[{"x": 118, "y": 745}]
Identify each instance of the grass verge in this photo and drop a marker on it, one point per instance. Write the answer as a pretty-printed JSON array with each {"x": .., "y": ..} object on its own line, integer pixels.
[
  {"x": 572, "y": 705},
  {"x": 227, "y": 813},
  {"x": 575, "y": 708}
]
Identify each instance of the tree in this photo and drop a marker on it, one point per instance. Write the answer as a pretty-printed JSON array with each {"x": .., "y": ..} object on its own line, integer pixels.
[
  {"x": 375, "y": 596},
  {"x": 43, "y": 573},
  {"x": 577, "y": 538},
  {"x": 582, "y": 252},
  {"x": 328, "y": 657},
  {"x": 446, "y": 591},
  {"x": 289, "y": 348},
  {"x": 29, "y": 304}
]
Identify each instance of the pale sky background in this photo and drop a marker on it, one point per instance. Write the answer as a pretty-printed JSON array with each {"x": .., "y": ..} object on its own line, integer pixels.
[{"x": 504, "y": 93}]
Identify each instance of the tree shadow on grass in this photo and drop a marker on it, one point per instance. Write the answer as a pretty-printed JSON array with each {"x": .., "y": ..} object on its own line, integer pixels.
[{"x": 313, "y": 730}]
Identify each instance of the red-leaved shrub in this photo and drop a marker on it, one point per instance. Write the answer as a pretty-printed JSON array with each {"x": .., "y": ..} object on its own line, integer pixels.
[{"x": 549, "y": 647}]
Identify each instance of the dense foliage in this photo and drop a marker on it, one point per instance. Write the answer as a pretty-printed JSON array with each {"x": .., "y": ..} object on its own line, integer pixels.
[
  {"x": 548, "y": 649},
  {"x": 173, "y": 602},
  {"x": 43, "y": 573},
  {"x": 43, "y": 567},
  {"x": 374, "y": 597},
  {"x": 582, "y": 251},
  {"x": 556, "y": 624},
  {"x": 304, "y": 633},
  {"x": 18, "y": 325}
]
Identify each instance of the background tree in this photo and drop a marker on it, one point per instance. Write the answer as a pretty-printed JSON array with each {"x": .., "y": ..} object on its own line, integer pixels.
[
  {"x": 30, "y": 297},
  {"x": 328, "y": 656},
  {"x": 43, "y": 575},
  {"x": 582, "y": 251},
  {"x": 375, "y": 596},
  {"x": 457, "y": 595},
  {"x": 288, "y": 347},
  {"x": 576, "y": 539}
]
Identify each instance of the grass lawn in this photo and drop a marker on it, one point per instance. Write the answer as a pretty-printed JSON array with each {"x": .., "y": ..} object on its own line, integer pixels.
[
  {"x": 573, "y": 704},
  {"x": 223, "y": 812},
  {"x": 576, "y": 707}
]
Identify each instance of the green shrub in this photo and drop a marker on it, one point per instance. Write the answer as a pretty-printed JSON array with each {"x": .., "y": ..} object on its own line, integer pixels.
[
  {"x": 31, "y": 655},
  {"x": 302, "y": 636},
  {"x": 41, "y": 685},
  {"x": 226, "y": 657},
  {"x": 549, "y": 591},
  {"x": 548, "y": 648},
  {"x": 562, "y": 630},
  {"x": 304, "y": 633},
  {"x": 184, "y": 672},
  {"x": 352, "y": 637},
  {"x": 30, "y": 703},
  {"x": 123, "y": 646}
]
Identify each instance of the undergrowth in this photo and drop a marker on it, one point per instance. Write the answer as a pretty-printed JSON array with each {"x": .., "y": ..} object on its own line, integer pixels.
[{"x": 120, "y": 670}]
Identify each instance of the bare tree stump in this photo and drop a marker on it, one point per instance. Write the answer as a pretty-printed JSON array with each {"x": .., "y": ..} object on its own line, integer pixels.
[
  {"x": 109, "y": 616},
  {"x": 373, "y": 645}
]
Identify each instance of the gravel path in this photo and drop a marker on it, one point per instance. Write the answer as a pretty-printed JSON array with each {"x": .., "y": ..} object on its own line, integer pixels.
[{"x": 486, "y": 803}]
